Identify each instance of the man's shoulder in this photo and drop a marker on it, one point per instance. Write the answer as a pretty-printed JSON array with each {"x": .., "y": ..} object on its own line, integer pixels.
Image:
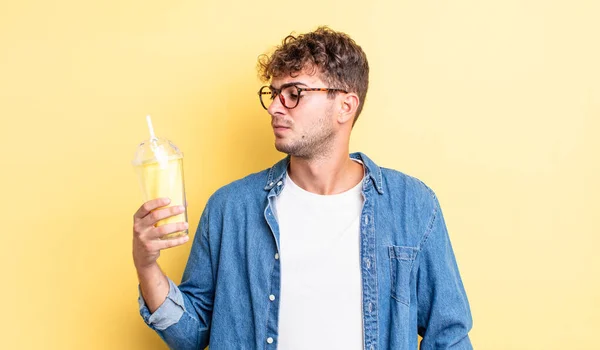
[
  {"x": 415, "y": 201},
  {"x": 410, "y": 194},
  {"x": 250, "y": 186},
  {"x": 395, "y": 180}
]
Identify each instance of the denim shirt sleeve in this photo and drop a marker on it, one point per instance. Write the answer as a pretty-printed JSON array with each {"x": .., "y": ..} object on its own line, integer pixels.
[
  {"x": 183, "y": 320},
  {"x": 168, "y": 313},
  {"x": 444, "y": 316}
]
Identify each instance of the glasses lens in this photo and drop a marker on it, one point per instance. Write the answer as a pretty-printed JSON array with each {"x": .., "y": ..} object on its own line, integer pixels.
[
  {"x": 288, "y": 96},
  {"x": 266, "y": 96}
]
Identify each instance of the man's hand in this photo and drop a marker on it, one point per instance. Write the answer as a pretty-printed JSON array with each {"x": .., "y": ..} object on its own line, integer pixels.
[{"x": 147, "y": 242}]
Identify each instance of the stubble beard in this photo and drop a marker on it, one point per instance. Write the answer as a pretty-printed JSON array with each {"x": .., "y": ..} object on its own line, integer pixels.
[{"x": 315, "y": 144}]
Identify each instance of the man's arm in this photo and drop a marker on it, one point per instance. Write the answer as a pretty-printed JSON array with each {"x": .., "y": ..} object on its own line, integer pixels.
[
  {"x": 444, "y": 316},
  {"x": 154, "y": 286},
  {"x": 173, "y": 314}
]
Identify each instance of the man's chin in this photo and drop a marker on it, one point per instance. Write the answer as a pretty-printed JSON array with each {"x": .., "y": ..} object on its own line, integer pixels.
[{"x": 284, "y": 148}]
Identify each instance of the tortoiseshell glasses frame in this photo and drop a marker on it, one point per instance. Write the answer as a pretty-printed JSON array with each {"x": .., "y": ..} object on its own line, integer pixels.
[{"x": 289, "y": 94}]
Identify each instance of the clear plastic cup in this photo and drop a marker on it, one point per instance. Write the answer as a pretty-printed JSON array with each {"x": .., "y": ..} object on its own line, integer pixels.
[{"x": 158, "y": 164}]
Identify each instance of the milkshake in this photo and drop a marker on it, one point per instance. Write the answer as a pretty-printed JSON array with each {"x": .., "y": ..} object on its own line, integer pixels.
[{"x": 158, "y": 164}]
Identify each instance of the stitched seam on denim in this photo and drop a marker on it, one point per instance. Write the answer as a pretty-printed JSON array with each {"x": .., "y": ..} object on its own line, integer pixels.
[
  {"x": 270, "y": 275},
  {"x": 413, "y": 255},
  {"x": 407, "y": 303},
  {"x": 380, "y": 184},
  {"x": 367, "y": 172},
  {"x": 282, "y": 178},
  {"x": 434, "y": 216},
  {"x": 377, "y": 178},
  {"x": 269, "y": 177},
  {"x": 373, "y": 221},
  {"x": 393, "y": 268},
  {"x": 271, "y": 180},
  {"x": 270, "y": 302},
  {"x": 393, "y": 279},
  {"x": 204, "y": 235},
  {"x": 362, "y": 278}
]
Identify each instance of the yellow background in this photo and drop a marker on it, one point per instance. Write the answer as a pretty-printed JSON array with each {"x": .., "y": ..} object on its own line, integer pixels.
[{"x": 494, "y": 104}]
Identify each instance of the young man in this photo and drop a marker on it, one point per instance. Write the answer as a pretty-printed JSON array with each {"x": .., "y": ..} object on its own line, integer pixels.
[{"x": 324, "y": 250}]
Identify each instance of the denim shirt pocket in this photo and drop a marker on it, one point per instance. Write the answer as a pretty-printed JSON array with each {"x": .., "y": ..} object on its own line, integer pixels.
[{"x": 401, "y": 263}]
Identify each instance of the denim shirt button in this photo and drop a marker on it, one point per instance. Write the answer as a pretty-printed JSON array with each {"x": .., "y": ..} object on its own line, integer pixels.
[
  {"x": 368, "y": 263},
  {"x": 366, "y": 220},
  {"x": 270, "y": 340},
  {"x": 276, "y": 256},
  {"x": 279, "y": 183},
  {"x": 370, "y": 307},
  {"x": 271, "y": 184},
  {"x": 271, "y": 297}
]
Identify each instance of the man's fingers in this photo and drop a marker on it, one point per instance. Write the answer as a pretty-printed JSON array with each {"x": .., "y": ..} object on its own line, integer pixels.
[
  {"x": 171, "y": 242},
  {"x": 160, "y": 214},
  {"x": 149, "y": 206},
  {"x": 162, "y": 230}
]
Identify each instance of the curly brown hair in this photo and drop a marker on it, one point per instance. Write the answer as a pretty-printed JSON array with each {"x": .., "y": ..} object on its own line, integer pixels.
[{"x": 341, "y": 63}]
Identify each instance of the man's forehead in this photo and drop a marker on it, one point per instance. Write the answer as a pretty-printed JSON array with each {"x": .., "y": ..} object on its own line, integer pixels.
[{"x": 302, "y": 78}]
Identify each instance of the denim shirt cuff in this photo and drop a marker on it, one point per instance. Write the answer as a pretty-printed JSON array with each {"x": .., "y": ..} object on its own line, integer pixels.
[{"x": 168, "y": 313}]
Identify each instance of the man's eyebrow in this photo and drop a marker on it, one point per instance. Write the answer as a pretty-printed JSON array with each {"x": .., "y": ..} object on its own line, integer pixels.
[{"x": 293, "y": 83}]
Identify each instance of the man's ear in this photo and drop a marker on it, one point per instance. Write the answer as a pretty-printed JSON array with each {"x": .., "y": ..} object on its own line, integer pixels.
[{"x": 349, "y": 106}]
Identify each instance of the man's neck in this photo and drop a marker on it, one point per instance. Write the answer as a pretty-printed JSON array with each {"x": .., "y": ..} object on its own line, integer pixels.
[{"x": 332, "y": 174}]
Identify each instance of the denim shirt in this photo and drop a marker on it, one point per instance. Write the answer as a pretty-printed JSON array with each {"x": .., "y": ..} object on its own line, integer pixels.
[{"x": 229, "y": 294}]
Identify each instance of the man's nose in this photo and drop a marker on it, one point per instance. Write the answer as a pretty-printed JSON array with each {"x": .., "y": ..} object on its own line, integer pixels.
[{"x": 276, "y": 107}]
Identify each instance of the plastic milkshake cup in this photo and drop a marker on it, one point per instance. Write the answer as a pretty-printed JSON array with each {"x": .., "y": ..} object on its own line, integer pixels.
[{"x": 158, "y": 164}]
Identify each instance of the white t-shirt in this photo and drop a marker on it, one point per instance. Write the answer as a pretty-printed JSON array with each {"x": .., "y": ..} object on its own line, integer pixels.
[{"x": 321, "y": 287}]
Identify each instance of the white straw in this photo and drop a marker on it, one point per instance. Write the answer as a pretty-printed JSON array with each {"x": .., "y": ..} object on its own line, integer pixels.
[{"x": 149, "y": 121}]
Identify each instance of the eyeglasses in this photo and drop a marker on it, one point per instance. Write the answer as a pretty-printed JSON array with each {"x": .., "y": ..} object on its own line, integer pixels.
[{"x": 289, "y": 95}]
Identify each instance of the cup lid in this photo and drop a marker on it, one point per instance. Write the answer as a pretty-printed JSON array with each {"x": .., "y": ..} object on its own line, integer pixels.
[{"x": 156, "y": 150}]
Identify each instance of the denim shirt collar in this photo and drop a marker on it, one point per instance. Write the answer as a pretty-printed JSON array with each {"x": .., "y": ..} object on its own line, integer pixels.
[{"x": 372, "y": 171}]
